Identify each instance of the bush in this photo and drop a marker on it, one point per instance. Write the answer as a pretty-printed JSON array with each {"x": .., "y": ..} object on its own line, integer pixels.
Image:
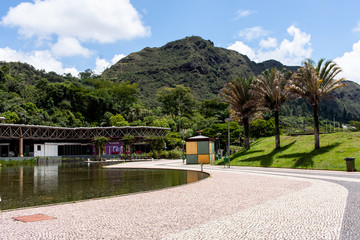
[
  {"x": 12, "y": 163},
  {"x": 262, "y": 128},
  {"x": 172, "y": 154},
  {"x": 356, "y": 125}
]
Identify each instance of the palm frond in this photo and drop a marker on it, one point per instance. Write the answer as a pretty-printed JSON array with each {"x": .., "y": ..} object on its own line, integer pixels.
[{"x": 236, "y": 93}]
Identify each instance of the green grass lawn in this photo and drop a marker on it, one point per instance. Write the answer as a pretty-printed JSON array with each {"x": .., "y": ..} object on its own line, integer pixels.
[{"x": 298, "y": 152}]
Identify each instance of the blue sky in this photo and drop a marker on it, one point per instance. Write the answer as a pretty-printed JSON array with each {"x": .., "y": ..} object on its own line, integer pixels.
[{"x": 71, "y": 36}]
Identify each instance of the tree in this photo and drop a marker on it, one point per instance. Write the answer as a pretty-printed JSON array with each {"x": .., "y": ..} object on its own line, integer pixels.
[
  {"x": 270, "y": 87},
  {"x": 118, "y": 120},
  {"x": 11, "y": 117},
  {"x": 160, "y": 122},
  {"x": 313, "y": 83},
  {"x": 176, "y": 101},
  {"x": 100, "y": 143},
  {"x": 4, "y": 73},
  {"x": 128, "y": 140},
  {"x": 262, "y": 128},
  {"x": 156, "y": 144},
  {"x": 219, "y": 132},
  {"x": 124, "y": 95},
  {"x": 243, "y": 105},
  {"x": 88, "y": 73},
  {"x": 214, "y": 108}
]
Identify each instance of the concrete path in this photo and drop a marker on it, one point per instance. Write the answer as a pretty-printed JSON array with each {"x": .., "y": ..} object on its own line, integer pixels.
[{"x": 235, "y": 203}]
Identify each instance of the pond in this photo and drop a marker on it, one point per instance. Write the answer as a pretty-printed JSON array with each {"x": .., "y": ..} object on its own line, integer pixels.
[{"x": 50, "y": 183}]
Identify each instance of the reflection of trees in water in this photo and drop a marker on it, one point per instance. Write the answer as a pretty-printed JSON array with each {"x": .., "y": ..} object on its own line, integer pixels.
[{"x": 59, "y": 182}]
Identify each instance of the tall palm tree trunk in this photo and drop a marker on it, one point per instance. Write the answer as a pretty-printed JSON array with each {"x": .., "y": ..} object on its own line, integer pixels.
[
  {"x": 316, "y": 126},
  {"x": 246, "y": 133},
  {"x": 277, "y": 130}
]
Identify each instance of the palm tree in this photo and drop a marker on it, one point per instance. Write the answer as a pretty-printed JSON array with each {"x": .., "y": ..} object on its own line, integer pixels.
[
  {"x": 313, "y": 84},
  {"x": 242, "y": 103},
  {"x": 100, "y": 143},
  {"x": 270, "y": 87}
]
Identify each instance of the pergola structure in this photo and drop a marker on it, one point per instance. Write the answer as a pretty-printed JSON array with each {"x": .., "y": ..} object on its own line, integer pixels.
[{"x": 48, "y": 133}]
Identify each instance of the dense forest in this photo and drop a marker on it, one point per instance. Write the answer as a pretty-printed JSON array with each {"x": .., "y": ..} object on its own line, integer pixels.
[{"x": 145, "y": 87}]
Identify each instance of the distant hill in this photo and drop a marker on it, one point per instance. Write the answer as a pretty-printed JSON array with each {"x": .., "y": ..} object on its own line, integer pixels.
[
  {"x": 341, "y": 105},
  {"x": 344, "y": 103},
  {"x": 191, "y": 61},
  {"x": 31, "y": 75}
]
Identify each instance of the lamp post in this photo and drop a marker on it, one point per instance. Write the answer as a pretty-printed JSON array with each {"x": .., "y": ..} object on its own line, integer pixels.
[
  {"x": 183, "y": 143},
  {"x": 181, "y": 134},
  {"x": 228, "y": 150},
  {"x": 218, "y": 142}
]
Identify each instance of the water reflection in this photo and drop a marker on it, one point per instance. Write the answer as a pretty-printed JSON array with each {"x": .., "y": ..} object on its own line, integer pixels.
[
  {"x": 54, "y": 182},
  {"x": 46, "y": 178}
]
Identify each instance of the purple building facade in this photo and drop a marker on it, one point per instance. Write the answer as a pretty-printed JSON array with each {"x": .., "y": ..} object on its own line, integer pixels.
[{"x": 111, "y": 148}]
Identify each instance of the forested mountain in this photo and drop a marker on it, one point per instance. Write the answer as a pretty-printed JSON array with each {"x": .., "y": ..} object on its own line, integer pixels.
[
  {"x": 192, "y": 62},
  {"x": 130, "y": 87}
]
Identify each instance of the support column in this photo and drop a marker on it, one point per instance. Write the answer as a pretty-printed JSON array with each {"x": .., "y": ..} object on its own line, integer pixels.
[{"x": 21, "y": 147}]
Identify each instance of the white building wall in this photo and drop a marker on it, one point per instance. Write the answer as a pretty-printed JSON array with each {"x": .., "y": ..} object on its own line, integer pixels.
[
  {"x": 39, "y": 150},
  {"x": 46, "y": 150},
  {"x": 51, "y": 149}
]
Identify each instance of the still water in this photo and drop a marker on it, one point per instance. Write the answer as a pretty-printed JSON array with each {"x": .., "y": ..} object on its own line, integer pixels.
[{"x": 67, "y": 182}]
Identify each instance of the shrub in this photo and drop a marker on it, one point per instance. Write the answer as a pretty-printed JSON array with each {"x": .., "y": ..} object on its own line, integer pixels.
[
  {"x": 262, "y": 128},
  {"x": 172, "y": 154}
]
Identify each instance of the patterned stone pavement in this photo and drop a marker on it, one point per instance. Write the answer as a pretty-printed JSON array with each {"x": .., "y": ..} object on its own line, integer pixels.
[{"x": 235, "y": 203}]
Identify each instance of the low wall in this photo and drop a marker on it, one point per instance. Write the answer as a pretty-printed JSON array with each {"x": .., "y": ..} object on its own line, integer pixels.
[{"x": 29, "y": 158}]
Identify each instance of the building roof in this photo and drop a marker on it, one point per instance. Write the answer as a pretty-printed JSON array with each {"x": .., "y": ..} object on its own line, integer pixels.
[
  {"x": 16, "y": 131},
  {"x": 199, "y": 138}
]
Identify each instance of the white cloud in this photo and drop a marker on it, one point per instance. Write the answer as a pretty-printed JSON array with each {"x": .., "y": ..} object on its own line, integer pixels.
[
  {"x": 357, "y": 28},
  {"x": 117, "y": 57},
  {"x": 289, "y": 52},
  {"x": 86, "y": 20},
  {"x": 73, "y": 71},
  {"x": 39, "y": 59},
  {"x": 68, "y": 46},
  {"x": 268, "y": 43},
  {"x": 101, "y": 64},
  {"x": 75, "y": 22},
  {"x": 243, "y": 49},
  {"x": 243, "y": 13},
  {"x": 349, "y": 63},
  {"x": 253, "y": 33}
]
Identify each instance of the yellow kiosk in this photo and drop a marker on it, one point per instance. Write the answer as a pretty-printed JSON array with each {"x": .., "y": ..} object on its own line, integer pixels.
[{"x": 200, "y": 149}]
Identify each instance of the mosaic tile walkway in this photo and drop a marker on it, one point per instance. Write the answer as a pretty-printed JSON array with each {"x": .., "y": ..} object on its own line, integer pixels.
[{"x": 236, "y": 203}]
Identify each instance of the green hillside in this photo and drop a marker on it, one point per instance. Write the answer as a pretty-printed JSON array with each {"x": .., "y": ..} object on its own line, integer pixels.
[
  {"x": 31, "y": 96},
  {"x": 341, "y": 105},
  {"x": 192, "y": 62},
  {"x": 298, "y": 152}
]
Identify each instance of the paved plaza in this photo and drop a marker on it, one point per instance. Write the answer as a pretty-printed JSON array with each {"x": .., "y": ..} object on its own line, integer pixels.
[{"x": 235, "y": 203}]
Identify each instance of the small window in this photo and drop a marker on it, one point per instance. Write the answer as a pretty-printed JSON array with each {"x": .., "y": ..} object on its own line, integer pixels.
[{"x": 39, "y": 147}]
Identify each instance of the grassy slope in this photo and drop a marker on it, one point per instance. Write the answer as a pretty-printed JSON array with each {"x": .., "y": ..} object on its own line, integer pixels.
[{"x": 298, "y": 152}]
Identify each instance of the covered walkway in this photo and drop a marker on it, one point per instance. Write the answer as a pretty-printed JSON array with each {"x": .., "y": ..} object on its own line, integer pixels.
[{"x": 10, "y": 134}]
